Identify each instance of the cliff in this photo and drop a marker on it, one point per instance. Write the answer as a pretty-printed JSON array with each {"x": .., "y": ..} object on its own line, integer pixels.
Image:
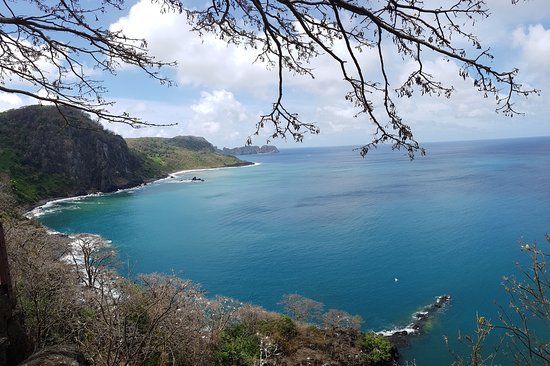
[
  {"x": 49, "y": 154},
  {"x": 250, "y": 150}
]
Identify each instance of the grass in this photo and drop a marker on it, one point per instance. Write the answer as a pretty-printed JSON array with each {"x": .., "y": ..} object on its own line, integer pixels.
[
  {"x": 28, "y": 184},
  {"x": 159, "y": 157}
]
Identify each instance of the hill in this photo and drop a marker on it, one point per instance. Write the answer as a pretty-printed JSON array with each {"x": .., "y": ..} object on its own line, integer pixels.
[
  {"x": 161, "y": 156},
  {"x": 47, "y": 154}
]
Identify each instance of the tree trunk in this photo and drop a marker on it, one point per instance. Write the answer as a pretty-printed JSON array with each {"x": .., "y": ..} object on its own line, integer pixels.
[
  {"x": 5, "y": 299},
  {"x": 5, "y": 278},
  {"x": 13, "y": 342}
]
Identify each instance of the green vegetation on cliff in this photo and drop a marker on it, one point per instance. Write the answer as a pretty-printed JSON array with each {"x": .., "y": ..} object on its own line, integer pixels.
[
  {"x": 28, "y": 184},
  {"x": 47, "y": 154},
  {"x": 161, "y": 156}
]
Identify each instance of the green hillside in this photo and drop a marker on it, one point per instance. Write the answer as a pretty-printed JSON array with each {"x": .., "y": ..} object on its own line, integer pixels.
[
  {"x": 50, "y": 153},
  {"x": 161, "y": 156},
  {"x": 56, "y": 153}
]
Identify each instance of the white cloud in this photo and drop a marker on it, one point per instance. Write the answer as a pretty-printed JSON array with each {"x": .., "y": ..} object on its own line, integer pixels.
[
  {"x": 206, "y": 62},
  {"x": 534, "y": 43},
  {"x": 221, "y": 73},
  {"x": 467, "y": 114},
  {"x": 37, "y": 67},
  {"x": 10, "y": 101},
  {"x": 219, "y": 115},
  {"x": 338, "y": 117}
]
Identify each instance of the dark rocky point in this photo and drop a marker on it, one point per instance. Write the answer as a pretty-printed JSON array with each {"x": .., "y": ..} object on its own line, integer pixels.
[{"x": 401, "y": 337}]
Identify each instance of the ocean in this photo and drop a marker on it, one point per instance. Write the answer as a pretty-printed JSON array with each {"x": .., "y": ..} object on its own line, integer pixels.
[{"x": 380, "y": 237}]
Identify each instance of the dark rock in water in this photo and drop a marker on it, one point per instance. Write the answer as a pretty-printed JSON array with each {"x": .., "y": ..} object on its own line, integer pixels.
[
  {"x": 442, "y": 300},
  {"x": 400, "y": 337},
  {"x": 420, "y": 315},
  {"x": 195, "y": 179},
  {"x": 61, "y": 355}
]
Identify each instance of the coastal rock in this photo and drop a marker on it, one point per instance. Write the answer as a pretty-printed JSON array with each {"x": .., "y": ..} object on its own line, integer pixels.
[
  {"x": 268, "y": 149},
  {"x": 399, "y": 337},
  {"x": 62, "y": 355}
]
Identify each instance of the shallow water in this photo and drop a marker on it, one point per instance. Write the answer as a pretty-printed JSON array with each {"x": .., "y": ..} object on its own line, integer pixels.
[{"x": 337, "y": 228}]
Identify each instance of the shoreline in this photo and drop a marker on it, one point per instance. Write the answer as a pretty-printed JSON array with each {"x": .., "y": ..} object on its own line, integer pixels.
[
  {"x": 400, "y": 337},
  {"x": 249, "y": 164},
  {"x": 32, "y": 211}
]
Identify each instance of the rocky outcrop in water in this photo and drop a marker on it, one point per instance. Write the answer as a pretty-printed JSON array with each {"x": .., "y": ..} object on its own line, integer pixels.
[{"x": 400, "y": 337}]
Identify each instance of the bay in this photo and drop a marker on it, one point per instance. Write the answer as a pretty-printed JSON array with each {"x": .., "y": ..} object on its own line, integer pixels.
[{"x": 332, "y": 226}]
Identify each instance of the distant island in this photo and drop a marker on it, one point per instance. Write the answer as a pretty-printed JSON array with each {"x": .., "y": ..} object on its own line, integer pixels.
[{"x": 250, "y": 150}]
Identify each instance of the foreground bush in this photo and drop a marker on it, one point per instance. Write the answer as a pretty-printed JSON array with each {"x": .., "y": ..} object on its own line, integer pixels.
[{"x": 377, "y": 348}]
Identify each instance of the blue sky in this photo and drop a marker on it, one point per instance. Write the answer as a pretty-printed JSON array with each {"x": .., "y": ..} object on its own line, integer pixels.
[{"x": 220, "y": 93}]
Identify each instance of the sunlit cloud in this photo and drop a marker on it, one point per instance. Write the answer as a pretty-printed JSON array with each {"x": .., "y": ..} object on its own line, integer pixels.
[
  {"x": 10, "y": 101},
  {"x": 534, "y": 43},
  {"x": 215, "y": 114},
  {"x": 222, "y": 91}
]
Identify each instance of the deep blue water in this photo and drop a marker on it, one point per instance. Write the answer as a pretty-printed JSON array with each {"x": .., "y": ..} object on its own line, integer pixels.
[{"x": 327, "y": 224}]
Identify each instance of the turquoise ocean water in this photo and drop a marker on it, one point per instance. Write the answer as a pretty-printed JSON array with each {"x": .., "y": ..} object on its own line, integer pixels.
[{"x": 327, "y": 224}]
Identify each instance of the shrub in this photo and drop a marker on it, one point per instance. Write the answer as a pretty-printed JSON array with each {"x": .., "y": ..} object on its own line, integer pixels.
[
  {"x": 238, "y": 346},
  {"x": 301, "y": 308},
  {"x": 377, "y": 347},
  {"x": 280, "y": 329}
]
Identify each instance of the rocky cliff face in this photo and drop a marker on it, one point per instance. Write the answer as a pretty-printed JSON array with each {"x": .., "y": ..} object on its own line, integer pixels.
[
  {"x": 250, "y": 150},
  {"x": 43, "y": 147}
]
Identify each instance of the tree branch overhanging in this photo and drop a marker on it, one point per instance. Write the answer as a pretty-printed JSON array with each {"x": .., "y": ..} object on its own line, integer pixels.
[
  {"x": 45, "y": 54},
  {"x": 290, "y": 33},
  {"x": 49, "y": 54}
]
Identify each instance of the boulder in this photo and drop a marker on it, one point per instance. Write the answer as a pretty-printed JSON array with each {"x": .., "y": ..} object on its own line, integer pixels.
[{"x": 60, "y": 355}]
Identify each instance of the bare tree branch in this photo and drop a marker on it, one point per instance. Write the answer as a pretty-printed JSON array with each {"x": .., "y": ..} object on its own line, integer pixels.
[
  {"x": 46, "y": 54},
  {"x": 49, "y": 53},
  {"x": 290, "y": 33}
]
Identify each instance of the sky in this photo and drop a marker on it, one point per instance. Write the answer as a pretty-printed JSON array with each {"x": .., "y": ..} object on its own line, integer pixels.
[{"x": 221, "y": 92}]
